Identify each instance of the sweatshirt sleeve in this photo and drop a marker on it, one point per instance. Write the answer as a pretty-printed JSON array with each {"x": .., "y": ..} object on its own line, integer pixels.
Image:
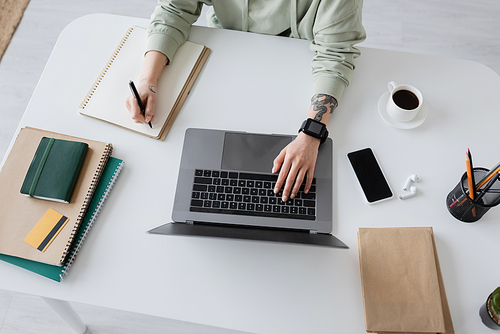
[
  {"x": 336, "y": 30},
  {"x": 170, "y": 25}
]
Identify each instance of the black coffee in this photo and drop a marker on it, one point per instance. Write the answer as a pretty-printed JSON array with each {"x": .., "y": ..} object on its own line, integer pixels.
[{"x": 405, "y": 99}]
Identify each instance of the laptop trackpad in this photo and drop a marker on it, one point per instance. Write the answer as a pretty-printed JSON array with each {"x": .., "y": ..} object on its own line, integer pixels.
[{"x": 252, "y": 152}]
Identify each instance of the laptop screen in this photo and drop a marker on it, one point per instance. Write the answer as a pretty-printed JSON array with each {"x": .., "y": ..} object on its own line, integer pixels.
[{"x": 252, "y": 152}]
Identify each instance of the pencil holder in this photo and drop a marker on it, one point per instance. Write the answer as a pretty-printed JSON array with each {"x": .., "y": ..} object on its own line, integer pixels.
[{"x": 463, "y": 208}]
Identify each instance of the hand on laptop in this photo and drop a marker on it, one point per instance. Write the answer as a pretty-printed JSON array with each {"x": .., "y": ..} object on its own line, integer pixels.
[
  {"x": 297, "y": 161},
  {"x": 154, "y": 62}
]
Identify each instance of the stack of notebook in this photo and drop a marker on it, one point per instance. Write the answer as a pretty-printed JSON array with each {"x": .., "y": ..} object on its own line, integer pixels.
[
  {"x": 19, "y": 214},
  {"x": 402, "y": 285}
]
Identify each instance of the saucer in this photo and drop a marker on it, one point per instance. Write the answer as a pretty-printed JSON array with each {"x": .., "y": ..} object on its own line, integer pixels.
[{"x": 418, "y": 120}]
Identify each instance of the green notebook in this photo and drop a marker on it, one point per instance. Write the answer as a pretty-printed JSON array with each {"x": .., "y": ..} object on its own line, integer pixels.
[
  {"x": 56, "y": 273},
  {"x": 54, "y": 169}
]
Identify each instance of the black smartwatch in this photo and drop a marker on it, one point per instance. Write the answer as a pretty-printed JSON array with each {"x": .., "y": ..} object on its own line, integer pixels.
[{"x": 314, "y": 129}]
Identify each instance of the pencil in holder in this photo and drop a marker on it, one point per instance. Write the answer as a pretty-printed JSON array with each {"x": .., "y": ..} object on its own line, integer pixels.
[{"x": 468, "y": 210}]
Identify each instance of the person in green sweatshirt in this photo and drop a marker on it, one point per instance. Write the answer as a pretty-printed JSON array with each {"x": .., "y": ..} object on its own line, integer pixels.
[{"x": 332, "y": 26}]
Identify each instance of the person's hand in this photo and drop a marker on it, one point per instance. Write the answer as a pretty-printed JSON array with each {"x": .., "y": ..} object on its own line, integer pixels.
[
  {"x": 147, "y": 93},
  {"x": 154, "y": 62},
  {"x": 297, "y": 161}
]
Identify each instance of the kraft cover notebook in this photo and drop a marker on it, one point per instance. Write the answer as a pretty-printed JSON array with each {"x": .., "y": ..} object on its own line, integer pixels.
[
  {"x": 106, "y": 98},
  {"x": 54, "y": 169},
  {"x": 402, "y": 284},
  {"x": 57, "y": 273},
  {"x": 19, "y": 213}
]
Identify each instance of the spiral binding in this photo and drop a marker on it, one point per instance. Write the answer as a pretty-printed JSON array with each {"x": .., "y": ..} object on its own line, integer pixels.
[
  {"x": 96, "y": 83},
  {"x": 95, "y": 180},
  {"x": 79, "y": 242}
]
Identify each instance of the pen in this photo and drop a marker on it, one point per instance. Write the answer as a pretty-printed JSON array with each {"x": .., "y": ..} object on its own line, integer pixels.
[
  {"x": 470, "y": 179},
  {"x": 138, "y": 98},
  {"x": 493, "y": 191},
  {"x": 487, "y": 187},
  {"x": 488, "y": 176},
  {"x": 472, "y": 172}
]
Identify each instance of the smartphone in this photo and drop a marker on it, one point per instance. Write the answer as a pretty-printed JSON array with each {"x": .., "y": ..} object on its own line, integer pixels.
[{"x": 370, "y": 175}]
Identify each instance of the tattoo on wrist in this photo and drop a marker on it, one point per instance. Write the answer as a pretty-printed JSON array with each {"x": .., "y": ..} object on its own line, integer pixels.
[
  {"x": 322, "y": 103},
  {"x": 152, "y": 88}
]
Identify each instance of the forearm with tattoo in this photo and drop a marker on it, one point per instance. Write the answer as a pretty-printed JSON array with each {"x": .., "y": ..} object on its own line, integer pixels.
[
  {"x": 152, "y": 88},
  {"x": 154, "y": 63},
  {"x": 322, "y": 104}
]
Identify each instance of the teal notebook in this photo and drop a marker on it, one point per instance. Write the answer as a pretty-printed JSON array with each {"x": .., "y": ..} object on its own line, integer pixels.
[
  {"x": 56, "y": 273},
  {"x": 54, "y": 169}
]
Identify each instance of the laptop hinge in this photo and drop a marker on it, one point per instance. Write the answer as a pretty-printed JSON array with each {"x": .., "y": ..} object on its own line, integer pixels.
[
  {"x": 189, "y": 222},
  {"x": 313, "y": 232}
]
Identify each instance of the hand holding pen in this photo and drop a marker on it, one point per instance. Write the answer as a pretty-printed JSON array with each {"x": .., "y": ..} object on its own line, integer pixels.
[
  {"x": 142, "y": 108},
  {"x": 154, "y": 62}
]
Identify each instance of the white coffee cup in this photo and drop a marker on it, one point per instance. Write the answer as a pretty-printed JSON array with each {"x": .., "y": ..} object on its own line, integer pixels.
[{"x": 404, "y": 102}]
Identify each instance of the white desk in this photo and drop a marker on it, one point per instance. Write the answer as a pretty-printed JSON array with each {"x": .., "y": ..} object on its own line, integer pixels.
[{"x": 262, "y": 84}]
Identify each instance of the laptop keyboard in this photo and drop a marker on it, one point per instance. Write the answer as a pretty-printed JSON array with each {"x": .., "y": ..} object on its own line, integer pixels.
[{"x": 250, "y": 194}]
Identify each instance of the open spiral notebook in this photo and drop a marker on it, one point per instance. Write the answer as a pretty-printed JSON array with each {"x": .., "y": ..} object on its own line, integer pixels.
[{"x": 106, "y": 98}]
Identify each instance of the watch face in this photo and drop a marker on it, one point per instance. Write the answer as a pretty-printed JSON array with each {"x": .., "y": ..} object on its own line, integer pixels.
[{"x": 315, "y": 127}]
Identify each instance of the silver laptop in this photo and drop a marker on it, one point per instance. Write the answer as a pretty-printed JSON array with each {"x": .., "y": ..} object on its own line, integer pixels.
[{"x": 225, "y": 189}]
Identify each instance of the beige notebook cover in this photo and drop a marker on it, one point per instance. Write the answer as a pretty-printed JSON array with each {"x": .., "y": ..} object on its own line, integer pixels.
[
  {"x": 19, "y": 213},
  {"x": 106, "y": 98},
  {"x": 402, "y": 285}
]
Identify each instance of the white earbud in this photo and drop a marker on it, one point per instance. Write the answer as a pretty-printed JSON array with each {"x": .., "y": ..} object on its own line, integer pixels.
[
  {"x": 411, "y": 178},
  {"x": 413, "y": 192}
]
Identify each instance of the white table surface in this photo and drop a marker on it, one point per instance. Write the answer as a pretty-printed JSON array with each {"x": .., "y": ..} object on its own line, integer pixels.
[{"x": 263, "y": 84}]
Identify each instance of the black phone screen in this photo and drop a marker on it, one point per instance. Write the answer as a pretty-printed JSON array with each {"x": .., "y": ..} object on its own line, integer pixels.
[{"x": 369, "y": 174}]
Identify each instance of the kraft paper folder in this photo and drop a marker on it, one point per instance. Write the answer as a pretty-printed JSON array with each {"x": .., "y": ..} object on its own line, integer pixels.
[
  {"x": 57, "y": 273},
  {"x": 19, "y": 213},
  {"x": 402, "y": 285},
  {"x": 106, "y": 98}
]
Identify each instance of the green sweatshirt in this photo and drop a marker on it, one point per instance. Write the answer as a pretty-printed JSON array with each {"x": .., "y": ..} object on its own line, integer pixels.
[{"x": 332, "y": 26}]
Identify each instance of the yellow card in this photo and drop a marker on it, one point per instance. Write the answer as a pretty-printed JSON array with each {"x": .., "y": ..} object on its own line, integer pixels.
[{"x": 45, "y": 231}]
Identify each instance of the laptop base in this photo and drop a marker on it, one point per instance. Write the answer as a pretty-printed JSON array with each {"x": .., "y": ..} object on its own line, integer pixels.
[{"x": 249, "y": 233}]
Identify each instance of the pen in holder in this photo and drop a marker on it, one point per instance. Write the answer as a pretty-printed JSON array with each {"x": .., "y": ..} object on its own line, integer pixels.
[{"x": 468, "y": 210}]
